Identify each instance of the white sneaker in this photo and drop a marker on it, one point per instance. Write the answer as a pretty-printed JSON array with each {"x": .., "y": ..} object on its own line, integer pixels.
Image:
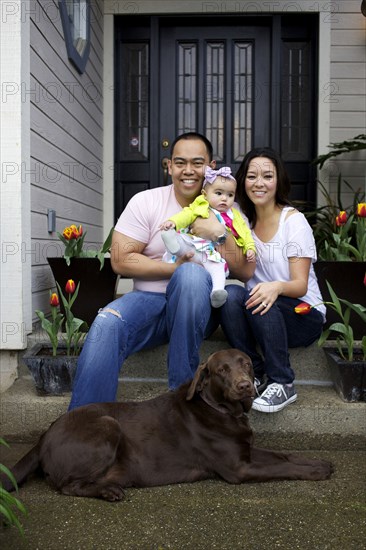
[
  {"x": 170, "y": 240},
  {"x": 275, "y": 398}
]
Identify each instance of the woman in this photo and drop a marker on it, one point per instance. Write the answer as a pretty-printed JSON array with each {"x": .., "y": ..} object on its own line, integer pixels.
[{"x": 263, "y": 313}]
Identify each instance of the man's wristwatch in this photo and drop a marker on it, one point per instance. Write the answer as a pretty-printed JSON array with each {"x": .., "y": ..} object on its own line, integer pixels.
[{"x": 221, "y": 239}]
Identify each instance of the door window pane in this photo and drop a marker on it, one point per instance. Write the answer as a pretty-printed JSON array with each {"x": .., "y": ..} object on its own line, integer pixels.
[
  {"x": 134, "y": 121},
  {"x": 295, "y": 101},
  {"x": 187, "y": 87},
  {"x": 215, "y": 96},
  {"x": 243, "y": 99}
]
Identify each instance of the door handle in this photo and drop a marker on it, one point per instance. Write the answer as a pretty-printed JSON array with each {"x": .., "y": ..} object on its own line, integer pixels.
[{"x": 164, "y": 164}]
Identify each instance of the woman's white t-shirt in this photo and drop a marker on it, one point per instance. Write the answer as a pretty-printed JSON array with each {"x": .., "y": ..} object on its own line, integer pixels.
[{"x": 293, "y": 239}]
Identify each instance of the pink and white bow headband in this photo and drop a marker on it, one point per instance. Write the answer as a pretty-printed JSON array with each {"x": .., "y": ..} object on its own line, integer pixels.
[{"x": 211, "y": 175}]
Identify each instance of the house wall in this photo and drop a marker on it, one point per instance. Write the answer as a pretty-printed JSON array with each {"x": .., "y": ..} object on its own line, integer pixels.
[
  {"x": 347, "y": 94},
  {"x": 66, "y": 112}
]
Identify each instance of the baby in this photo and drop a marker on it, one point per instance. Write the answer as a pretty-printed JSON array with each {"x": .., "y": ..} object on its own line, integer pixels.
[{"x": 218, "y": 195}]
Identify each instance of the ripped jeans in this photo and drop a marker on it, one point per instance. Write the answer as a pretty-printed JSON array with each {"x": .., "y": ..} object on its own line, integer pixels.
[{"x": 140, "y": 320}]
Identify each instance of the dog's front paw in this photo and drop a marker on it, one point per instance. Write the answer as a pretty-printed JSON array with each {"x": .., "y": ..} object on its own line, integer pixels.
[{"x": 112, "y": 492}]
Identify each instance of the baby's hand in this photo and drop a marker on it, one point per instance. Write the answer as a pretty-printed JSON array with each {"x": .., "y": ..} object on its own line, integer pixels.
[
  {"x": 167, "y": 225},
  {"x": 250, "y": 255}
]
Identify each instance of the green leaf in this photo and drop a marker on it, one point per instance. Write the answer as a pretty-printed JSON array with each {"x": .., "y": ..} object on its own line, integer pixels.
[
  {"x": 357, "y": 308},
  {"x": 108, "y": 242},
  {"x": 9, "y": 474}
]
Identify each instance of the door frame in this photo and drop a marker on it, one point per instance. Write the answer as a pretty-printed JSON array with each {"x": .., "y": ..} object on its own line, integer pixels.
[{"x": 111, "y": 9}]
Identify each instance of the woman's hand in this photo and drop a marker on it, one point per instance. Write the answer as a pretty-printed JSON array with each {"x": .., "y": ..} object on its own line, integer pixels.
[{"x": 263, "y": 296}]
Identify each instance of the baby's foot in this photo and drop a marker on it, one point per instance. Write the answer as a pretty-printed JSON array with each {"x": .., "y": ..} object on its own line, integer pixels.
[
  {"x": 218, "y": 298},
  {"x": 170, "y": 240}
]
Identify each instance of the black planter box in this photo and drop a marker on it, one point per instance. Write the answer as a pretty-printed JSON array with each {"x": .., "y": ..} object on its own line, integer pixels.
[
  {"x": 348, "y": 377},
  {"x": 97, "y": 286},
  {"x": 346, "y": 279},
  {"x": 51, "y": 375}
]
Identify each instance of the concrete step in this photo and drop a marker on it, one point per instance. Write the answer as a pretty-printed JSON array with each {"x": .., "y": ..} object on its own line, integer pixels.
[
  {"x": 318, "y": 411},
  {"x": 309, "y": 364}
]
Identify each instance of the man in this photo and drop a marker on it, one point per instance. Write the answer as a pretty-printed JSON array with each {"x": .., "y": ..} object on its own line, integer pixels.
[{"x": 169, "y": 302}]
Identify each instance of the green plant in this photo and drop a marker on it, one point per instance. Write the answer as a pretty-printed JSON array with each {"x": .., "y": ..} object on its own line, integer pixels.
[
  {"x": 345, "y": 342},
  {"x": 73, "y": 325},
  {"x": 7, "y": 501},
  {"x": 340, "y": 242},
  {"x": 347, "y": 242},
  {"x": 73, "y": 239},
  {"x": 348, "y": 146}
]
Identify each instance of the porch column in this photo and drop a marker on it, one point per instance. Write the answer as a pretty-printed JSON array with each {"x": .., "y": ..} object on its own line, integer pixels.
[{"x": 15, "y": 227}]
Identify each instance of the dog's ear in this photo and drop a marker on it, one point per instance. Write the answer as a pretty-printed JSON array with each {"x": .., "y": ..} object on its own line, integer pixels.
[{"x": 198, "y": 381}]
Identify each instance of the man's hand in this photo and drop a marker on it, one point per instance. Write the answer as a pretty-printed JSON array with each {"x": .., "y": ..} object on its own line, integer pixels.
[{"x": 208, "y": 228}]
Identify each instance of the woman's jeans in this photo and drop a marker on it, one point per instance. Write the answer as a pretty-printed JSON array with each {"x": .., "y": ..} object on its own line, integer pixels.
[
  {"x": 275, "y": 331},
  {"x": 139, "y": 320}
]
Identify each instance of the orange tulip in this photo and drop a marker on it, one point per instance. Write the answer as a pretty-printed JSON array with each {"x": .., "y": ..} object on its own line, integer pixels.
[
  {"x": 68, "y": 233},
  {"x": 70, "y": 286},
  {"x": 303, "y": 308},
  {"x": 341, "y": 219},
  {"x": 54, "y": 301},
  {"x": 361, "y": 209}
]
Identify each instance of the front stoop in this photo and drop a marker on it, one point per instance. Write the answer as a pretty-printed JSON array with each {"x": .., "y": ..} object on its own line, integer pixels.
[{"x": 318, "y": 411}]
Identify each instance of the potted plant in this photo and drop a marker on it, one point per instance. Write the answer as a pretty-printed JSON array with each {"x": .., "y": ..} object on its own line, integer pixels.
[
  {"x": 347, "y": 357},
  {"x": 88, "y": 265},
  {"x": 340, "y": 236},
  {"x": 53, "y": 365}
]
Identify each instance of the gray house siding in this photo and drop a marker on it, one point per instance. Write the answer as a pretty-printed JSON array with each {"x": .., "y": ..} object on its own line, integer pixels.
[
  {"x": 348, "y": 92},
  {"x": 66, "y": 140}
]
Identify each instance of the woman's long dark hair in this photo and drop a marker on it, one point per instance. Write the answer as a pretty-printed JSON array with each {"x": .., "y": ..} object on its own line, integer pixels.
[{"x": 283, "y": 181}]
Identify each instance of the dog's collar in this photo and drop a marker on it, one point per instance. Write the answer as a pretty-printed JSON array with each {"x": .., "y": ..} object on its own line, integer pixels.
[{"x": 221, "y": 408}]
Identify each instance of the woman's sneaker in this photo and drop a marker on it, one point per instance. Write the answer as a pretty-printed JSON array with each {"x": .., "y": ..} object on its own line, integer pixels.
[
  {"x": 260, "y": 384},
  {"x": 275, "y": 398}
]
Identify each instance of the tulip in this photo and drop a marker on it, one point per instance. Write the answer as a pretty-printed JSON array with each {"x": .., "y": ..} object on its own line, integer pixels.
[
  {"x": 364, "y": 281},
  {"x": 68, "y": 233},
  {"x": 303, "y": 308},
  {"x": 76, "y": 232},
  {"x": 54, "y": 301},
  {"x": 341, "y": 219},
  {"x": 70, "y": 286},
  {"x": 361, "y": 209}
]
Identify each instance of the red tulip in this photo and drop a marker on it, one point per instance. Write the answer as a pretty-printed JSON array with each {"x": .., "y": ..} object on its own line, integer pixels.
[
  {"x": 76, "y": 231},
  {"x": 364, "y": 281},
  {"x": 70, "y": 286},
  {"x": 303, "y": 308},
  {"x": 341, "y": 219},
  {"x": 54, "y": 301},
  {"x": 361, "y": 209}
]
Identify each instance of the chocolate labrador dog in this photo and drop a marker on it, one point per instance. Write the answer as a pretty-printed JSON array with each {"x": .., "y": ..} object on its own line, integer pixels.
[{"x": 197, "y": 432}]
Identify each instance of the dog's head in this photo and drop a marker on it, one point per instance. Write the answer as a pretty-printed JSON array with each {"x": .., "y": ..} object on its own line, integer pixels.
[{"x": 227, "y": 377}]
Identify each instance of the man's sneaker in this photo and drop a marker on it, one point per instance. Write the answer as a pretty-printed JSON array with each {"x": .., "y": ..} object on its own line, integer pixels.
[{"x": 275, "y": 398}]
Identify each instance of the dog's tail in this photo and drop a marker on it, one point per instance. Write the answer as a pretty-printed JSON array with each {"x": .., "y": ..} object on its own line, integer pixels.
[{"x": 22, "y": 469}]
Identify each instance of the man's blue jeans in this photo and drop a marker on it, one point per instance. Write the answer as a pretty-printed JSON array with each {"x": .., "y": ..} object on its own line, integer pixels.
[
  {"x": 276, "y": 331},
  {"x": 139, "y": 320}
]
